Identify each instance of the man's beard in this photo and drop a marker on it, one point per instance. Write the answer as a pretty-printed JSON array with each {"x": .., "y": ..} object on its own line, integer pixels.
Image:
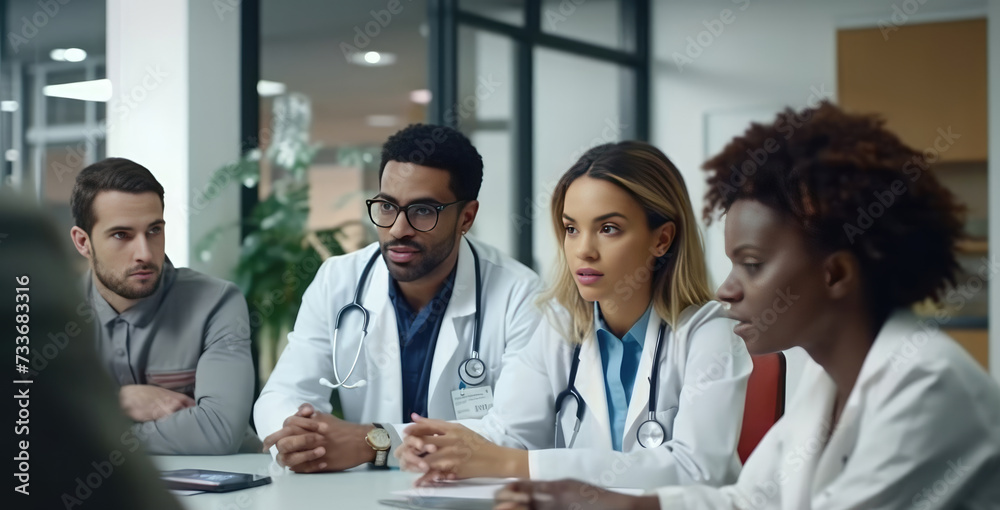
[
  {"x": 119, "y": 284},
  {"x": 428, "y": 262}
]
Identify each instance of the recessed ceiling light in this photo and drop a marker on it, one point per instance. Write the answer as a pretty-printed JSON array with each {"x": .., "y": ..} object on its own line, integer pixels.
[
  {"x": 8, "y": 106},
  {"x": 373, "y": 58},
  {"x": 266, "y": 88},
  {"x": 382, "y": 120},
  {"x": 93, "y": 90},
  {"x": 420, "y": 96},
  {"x": 68, "y": 55},
  {"x": 75, "y": 55}
]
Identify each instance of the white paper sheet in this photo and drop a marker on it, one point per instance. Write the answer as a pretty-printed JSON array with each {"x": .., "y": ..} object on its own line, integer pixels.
[
  {"x": 476, "y": 488},
  {"x": 453, "y": 490}
]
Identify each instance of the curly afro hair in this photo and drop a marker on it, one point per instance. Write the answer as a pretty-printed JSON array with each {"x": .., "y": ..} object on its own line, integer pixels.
[
  {"x": 850, "y": 184},
  {"x": 438, "y": 147}
]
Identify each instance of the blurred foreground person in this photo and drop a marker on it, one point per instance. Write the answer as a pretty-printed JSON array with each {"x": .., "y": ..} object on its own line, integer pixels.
[{"x": 73, "y": 446}]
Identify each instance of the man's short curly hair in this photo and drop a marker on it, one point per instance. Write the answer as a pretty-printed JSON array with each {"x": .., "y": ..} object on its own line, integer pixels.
[
  {"x": 438, "y": 147},
  {"x": 850, "y": 184}
]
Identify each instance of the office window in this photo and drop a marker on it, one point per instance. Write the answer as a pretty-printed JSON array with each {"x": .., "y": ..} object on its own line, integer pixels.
[
  {"x": 45, "y": 137},
  {"x": 361, "y": 70},
  {"x": 546, "y": 84}
]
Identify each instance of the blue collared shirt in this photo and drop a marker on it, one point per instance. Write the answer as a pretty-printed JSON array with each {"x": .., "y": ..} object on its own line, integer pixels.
[
  {"x": 418, "y": 333},
  {"x": 620, "y": 359}
]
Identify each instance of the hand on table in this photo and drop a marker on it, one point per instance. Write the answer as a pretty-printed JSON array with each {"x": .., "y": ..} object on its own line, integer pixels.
[
  {"x": 145, "y": 402},
  {"x": 311, "y": 441},
  {"x": 443, "y": 450},
  {"x": 525, "y": 495}
]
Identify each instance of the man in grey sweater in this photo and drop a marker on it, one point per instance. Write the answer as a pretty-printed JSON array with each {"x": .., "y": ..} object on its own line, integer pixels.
[{"x": 177, "y": 342}]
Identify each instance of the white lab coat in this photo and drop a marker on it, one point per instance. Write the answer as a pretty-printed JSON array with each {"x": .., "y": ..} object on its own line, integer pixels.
[
  {"x": 920, "y": 430},
  {"x": 703, "y": 375},
  {"x": 509, "y": 318}
]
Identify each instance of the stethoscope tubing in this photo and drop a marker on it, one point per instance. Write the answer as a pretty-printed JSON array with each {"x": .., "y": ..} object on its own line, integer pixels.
[
  {"x": 464, "y": 373},
  {"x": 571, "y": 392}
]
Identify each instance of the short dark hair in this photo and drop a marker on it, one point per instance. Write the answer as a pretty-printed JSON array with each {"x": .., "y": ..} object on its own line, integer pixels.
[
  {"x": 438, "y": 147},
  {"x": 849, "y": 184},
  {"x": 111, "y": 174}
]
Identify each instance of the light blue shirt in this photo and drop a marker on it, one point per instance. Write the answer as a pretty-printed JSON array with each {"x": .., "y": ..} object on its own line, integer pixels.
[{"x": 620, "y": 359}]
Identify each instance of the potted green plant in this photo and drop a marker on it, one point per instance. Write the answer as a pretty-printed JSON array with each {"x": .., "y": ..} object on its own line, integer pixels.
[{"x": 279, "y": 256}]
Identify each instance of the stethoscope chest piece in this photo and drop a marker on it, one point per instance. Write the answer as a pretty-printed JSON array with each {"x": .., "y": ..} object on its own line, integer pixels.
[
  {"x": 472, "y": 371},
  {"x": 650, "y": 434}
]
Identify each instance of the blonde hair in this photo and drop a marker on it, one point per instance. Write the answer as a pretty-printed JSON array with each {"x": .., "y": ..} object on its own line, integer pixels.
[{"x": 680, "y": 277}]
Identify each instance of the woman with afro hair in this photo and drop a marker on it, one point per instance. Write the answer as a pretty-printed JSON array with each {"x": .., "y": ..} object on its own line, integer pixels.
[{"x": 839, "y": 216}]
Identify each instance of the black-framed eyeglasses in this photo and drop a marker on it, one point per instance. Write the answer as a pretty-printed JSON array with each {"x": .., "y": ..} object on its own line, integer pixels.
[{"x": 422, "y": 217}]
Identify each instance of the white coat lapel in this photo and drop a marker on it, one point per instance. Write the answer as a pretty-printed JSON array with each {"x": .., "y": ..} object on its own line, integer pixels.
[
  {"x": 807, "y": 435},
  {"x": 590, "y": 384},
  {"x": 458, "y": 323},
  {"x": 638, "y": 406},
  {"x": 384, "y": 375},
  {"x": 837, "y": 452},
  {"x": 845, "y": 435}
]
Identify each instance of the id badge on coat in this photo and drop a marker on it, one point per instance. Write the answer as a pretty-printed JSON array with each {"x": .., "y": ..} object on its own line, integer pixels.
[{"x": 471, "y": 402}]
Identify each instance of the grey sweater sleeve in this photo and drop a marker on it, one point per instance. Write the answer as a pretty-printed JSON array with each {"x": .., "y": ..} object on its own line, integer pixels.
[{"x": 224, "y": 386}]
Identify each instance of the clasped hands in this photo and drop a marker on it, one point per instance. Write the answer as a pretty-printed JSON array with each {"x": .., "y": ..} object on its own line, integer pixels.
[{"x": 311, "y": 441}]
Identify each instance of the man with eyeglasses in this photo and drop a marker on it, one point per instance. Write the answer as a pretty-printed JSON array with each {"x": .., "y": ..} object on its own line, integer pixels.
[{"x": 393, "y": 326}]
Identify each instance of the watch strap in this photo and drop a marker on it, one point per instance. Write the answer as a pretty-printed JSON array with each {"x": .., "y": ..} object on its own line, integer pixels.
[{"x": 381, "y": 456}]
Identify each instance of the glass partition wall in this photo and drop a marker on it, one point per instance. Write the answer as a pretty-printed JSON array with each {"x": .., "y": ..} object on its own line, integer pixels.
[{"x": 534, "y": 84}]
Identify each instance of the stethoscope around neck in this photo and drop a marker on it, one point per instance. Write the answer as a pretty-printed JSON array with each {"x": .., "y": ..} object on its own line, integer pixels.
[
  {"x": 650, "y": 434},
  {"x": 472, "y": 371}
]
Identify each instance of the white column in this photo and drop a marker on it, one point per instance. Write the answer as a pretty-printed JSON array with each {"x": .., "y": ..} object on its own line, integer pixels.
[
  {"x": 174, "y": 69},
  {"x": 993, "y": 80}
]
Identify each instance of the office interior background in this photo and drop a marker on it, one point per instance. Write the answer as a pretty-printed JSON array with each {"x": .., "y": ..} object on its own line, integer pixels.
[{"x": 263, "y": 119}]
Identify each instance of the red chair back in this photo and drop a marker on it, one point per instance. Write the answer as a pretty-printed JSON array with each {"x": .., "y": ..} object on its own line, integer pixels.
[{"x": 765, "y": 400}]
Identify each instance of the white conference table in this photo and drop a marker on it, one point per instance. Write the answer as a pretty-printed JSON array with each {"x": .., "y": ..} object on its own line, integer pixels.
[{"x": 359, "y": 488}]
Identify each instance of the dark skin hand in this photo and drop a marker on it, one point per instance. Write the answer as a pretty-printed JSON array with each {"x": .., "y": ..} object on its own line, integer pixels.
[
  {"x": 563, "y": 494},
  {"x": 312, "y": 442}
]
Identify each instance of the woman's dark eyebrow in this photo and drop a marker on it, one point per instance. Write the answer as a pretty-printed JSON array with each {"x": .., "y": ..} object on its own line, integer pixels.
[
  {"x": 599, "y": 218},
  {"x": 609, "y": 216},
  {"x": 744, "y": 246}
]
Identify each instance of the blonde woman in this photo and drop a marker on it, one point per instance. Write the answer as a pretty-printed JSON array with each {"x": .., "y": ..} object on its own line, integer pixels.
[{"x": 636, "y": 379}]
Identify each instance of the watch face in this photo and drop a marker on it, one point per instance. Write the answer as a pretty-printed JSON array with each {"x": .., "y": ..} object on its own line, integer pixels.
[{"x": 379, "y": 438}]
